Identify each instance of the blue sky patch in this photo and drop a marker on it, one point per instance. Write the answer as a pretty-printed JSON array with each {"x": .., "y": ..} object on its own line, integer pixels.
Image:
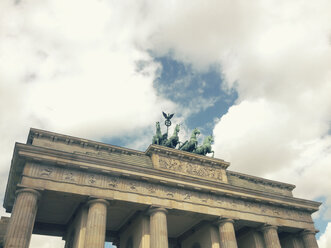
[{"x": 198, "y": 93}]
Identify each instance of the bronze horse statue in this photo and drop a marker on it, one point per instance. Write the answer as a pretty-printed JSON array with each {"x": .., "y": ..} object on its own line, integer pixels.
[
  {"x": 174, "y": 139},
  {"x": 191, "y": 145},
  {"x": 205, "y": 147},
  {"x": 158, "y": 137}
]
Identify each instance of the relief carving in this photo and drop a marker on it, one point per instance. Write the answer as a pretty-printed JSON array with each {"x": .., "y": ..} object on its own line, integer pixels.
[
  {"x": 113, "y": 182},
  {"x": 194, "y": 197},
  {"x": 190, "y": 168},
  {"x": 170, "y": 191},
  {"x": 276, "y": 211},
  {"x": 151, "y": 188},
  {"x": 204, "y": 197},
  {"x": 92, "y": 179},
  {"x": 46, "y": 172},
  {"x": 133, "y": 185},
  {"x": 187, "y": 196},
  {"x": 171, "y": 164},
  {"x": 69, "y": 176}
]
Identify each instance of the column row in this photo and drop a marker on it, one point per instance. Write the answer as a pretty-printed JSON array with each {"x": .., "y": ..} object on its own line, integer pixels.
[
  {"x": 23, "y": 216},
  {"x": 270, "y": 237},
  {"x": 25, "y": 208}
]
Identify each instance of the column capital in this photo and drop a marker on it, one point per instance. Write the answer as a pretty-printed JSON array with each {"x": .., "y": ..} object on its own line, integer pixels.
[
  {"x": 266, "y": 227},
  {"x": 153, "y": 210},
  {"x": 28, "y": 190},
  {"x": 308, "y": 238},
  {"x": 308, "y": 231},
  {"x": 97, "y": 200},
  {"x": 222, "y": 220}
]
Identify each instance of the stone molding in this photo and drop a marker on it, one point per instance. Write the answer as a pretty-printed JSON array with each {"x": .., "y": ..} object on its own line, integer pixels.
[
  {"x": 223, "y": 220},
  {"x": 98, "y": 146},
  {"x": 308, "y": 231},
  {"x": 28, "y": 190},
  {"x": 122, "y": 184},
  {"x": 64, "y": 159},
  {"x": 261, "y": 180},
  {"x": 266, "y": 227},
  {"x": 70, "y": 140},
  {"x": 92, "y": 201},
  {"x": 153, "y": 210}
]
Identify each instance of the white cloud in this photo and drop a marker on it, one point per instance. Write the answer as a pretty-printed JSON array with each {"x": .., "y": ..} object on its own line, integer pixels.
[
  {"x": 42, "y": 241},
  {"x": 70, "y": 67},
  {"x": 325, "y": 239},
  {"x": 277, "y": 55}
]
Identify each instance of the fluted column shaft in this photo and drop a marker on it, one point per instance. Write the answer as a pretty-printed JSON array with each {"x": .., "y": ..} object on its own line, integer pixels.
[
  {"x": 158, "y": 228},
  {"x": 309, "y": 239},
  {"x": 22, "y": 219},
  {"x": 96, "y": 224},
  {"x": 270, "y": 235},
  {"x": 296, "y": 242},
  {"x": 227, "y": 233}
]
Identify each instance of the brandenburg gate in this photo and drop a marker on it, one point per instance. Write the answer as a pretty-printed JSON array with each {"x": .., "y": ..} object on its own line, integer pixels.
[{"x": 89, "y": 192}]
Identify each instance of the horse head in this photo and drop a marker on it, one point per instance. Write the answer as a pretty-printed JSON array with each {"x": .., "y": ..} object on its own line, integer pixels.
[
  {"x": 209, "y": 140},
  {"x": 195, "y": 132},
  {"x": 177, "y": 128}
]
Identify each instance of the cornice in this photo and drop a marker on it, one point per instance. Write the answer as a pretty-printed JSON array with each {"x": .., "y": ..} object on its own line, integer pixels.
[
  {"x": 71, "y": 140},
  {"x": 182, "y": 155},
  {"x": 261, "y": 180},
  {"x": 82, "y": 162}
]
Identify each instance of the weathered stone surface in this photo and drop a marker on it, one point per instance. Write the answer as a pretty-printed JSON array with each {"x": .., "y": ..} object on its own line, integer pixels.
[
  {"x": 96, "y": 223},
  {"x": 292, "y": 241},
  {"x": 4, "y": 221},
  {"x": 256, "y": 183},
  {"x": 309, "y": 240},
  {"x": 270, "y": 235},
  {"x": 250, "y": 238},
  {"x": 158, "y": 228},
  {"x": 194, "y": 189},
  {"x": 227, "y": 233},
  {"x": 21, "y": 223},
  {"x": 137, "y": 232},
  {"x": 206, "y": 236},
  {"x": 143, "y": 188}
]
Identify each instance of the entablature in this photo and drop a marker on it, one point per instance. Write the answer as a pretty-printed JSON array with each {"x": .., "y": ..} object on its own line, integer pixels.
[{"x": 27, "y": 153}]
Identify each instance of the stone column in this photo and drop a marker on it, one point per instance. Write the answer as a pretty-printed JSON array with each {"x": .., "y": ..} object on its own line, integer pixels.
[
  {"x": 158, "y": 228},
  {"x": 96, "y": 223},
  {"x": 297, "y": 241},
  {"x": 227, "y": 233},
  {"x": 270, "y": 235},
  {"x": 77, "y": 229},
  {"x": 22, "y": 219},
  {"x": 309, "y": 239}
]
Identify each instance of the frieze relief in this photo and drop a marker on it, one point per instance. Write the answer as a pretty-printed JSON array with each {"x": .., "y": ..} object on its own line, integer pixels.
[
  {"x": 192, "y": 169},
  {"x": 164, "y": 191},
  {"x": 70, "y": 176},
  {"x": 46, "y": 171}
]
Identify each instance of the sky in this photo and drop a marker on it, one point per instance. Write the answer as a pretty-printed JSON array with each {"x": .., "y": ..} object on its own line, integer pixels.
[{"x": 255, "y": 74}]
